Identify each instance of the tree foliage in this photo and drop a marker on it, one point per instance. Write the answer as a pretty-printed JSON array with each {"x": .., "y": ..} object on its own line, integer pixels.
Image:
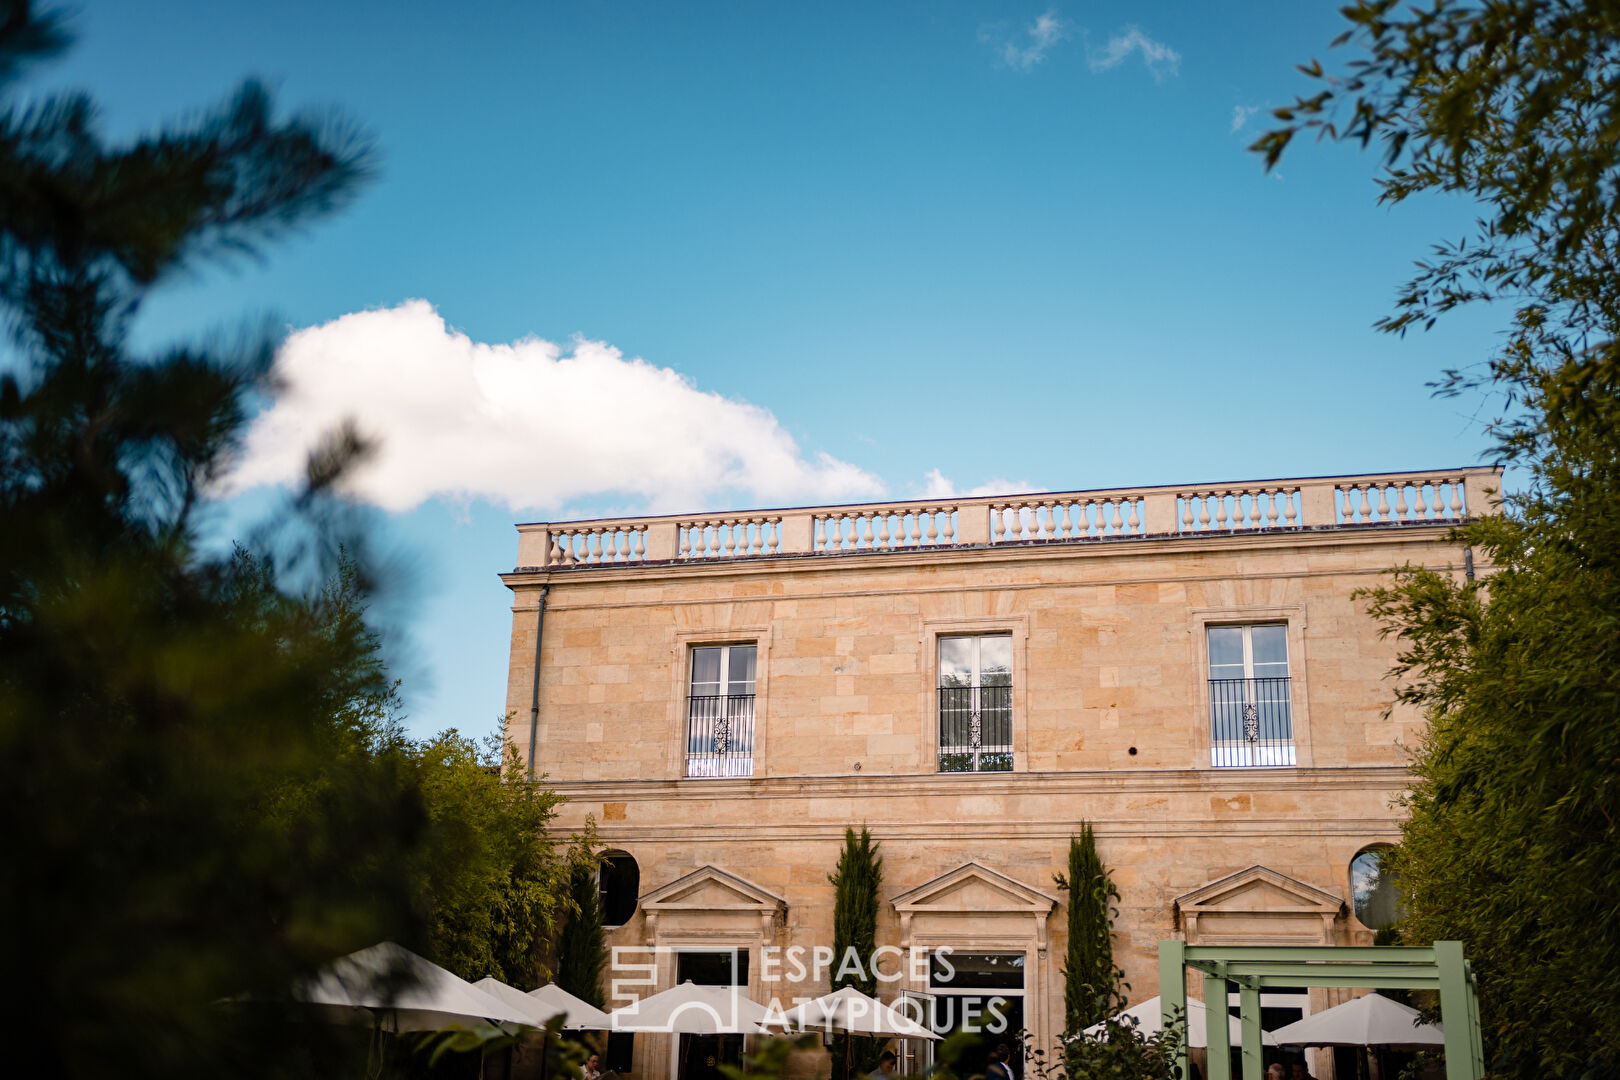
[
  {"x": 1512, "y": 843},
  {"x": 1120, "y": 1051},
  {"x": 493, "y": 882},
  {"x": 855, "y": 882},
  {"x": 581, "y": 951},
  {"x": 1091, "y": 981},
  {"x": 207, "y": 797}
]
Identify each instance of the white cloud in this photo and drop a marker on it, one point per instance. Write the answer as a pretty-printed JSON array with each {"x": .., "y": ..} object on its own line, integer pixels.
[
  {"x": 1159, "y": 58},
  {"x": 936, "y": 485},
  {"x": 1042, "y": 34},
  {"x": 1241, "y": 115},
  {"x": 530, "y": 425}
]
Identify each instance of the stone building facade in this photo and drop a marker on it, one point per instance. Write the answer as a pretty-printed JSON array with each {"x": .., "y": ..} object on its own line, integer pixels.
[{"x": 1186, "y": 668}]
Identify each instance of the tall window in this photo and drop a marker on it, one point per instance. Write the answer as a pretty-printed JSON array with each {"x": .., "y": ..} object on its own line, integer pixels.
[
  {"x": 720, "y": 712},
  {"x": 1251, "y": 721},
  {"x": 975, "y": 703}
]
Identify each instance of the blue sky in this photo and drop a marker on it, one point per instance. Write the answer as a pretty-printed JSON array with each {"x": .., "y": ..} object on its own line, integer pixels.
[{"x": 939, "y": 243}]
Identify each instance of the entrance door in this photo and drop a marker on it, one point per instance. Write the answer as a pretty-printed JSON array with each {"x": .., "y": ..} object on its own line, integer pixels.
[
  {"x": 982, "y": 994},
  {"x": 702, "y": 1055},
  {"x": 699, "y": 1057}
]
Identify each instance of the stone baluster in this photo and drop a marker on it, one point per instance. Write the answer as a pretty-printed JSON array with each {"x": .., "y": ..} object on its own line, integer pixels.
[
  {"x": 1456, "y": 505},
  {"x": 1348, "y": 509}
]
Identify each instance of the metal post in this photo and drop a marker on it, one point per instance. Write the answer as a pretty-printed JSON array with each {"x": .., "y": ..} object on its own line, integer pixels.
[
  {"x": 1173, "y": 993},
  {"x": 1249, "y": 1008},
  {"x": 1455, "y": 1013},
  {"x": 1217, "y": 1029},
  {"x": 1473, "y": 1020}
]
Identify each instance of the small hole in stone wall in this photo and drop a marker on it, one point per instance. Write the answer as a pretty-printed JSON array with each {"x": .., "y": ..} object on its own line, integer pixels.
[
  {"x": 1132, "y": 751},
  {"x": 857, "y": 766}
]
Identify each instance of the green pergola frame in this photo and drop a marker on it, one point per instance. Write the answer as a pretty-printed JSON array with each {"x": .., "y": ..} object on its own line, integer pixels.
[{"x": 1258, "y": 967}]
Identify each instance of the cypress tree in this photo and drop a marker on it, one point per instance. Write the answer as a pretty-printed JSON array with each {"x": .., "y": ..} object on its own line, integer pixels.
[
  {"x": 1090, "y": 979},
  {"x": 855, "y": 907},
  {"x": 580, "y": 950}
]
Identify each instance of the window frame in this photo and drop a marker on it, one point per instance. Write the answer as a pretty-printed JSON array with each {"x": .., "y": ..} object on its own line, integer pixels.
[
  {"x": 1373, "y": 848},
  {"x": 684, "y": 642},
  {"x": 929, "y": 730},
  {"x": 601, "y": 886},
  {"x": 1292, "y": 616}
]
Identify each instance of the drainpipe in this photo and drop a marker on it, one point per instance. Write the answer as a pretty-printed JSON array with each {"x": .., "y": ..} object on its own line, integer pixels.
[
  {"x": 1468, "y": 562},
  {"x": 534, "y": 707}
]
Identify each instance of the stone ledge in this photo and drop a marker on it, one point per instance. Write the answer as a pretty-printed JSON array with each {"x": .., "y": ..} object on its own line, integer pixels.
[{"x": 915, "y": 785}]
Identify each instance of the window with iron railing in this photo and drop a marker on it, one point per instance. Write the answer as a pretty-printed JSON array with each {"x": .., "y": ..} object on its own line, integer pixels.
[
  {"x": 975, "y": 703},
  {"x": 1250, "y": 707},
  {"x": 720, "y": 711}
]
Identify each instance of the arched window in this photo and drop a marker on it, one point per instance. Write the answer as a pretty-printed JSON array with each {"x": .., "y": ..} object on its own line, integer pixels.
[
  {"x": 1374, "y": 888},
  {"x": 620, "y": 880}
]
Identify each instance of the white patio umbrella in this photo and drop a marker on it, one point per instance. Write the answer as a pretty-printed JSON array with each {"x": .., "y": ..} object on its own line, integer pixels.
[
  {"x": 545, "y": 1004},
  {"x": 690, "y": 1009},
  {"x": 848, "y": 1010},
  {"x": 577, "y": 1015},
  {"x": 388, "y": 982},
  {"x": 1373, "y": 1020},
  {"x": 1149, "y": 1020}
]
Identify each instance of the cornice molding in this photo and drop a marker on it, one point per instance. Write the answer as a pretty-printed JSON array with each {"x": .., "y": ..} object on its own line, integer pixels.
[{"x": 873, "y": 786}]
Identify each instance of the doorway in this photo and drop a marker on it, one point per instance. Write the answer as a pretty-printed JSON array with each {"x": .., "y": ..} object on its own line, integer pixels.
[
  {"x": 982, "y": 994},
  {"x": 702, "y": 1055},
  {"x": 699, "y": 1057}
]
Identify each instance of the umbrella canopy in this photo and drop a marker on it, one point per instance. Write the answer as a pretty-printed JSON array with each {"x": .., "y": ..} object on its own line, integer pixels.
[
  {"x": 1148, "y": 1017},
  {"x": 577, "y": 1015},
  {"x": 851, "y": 1011},
  {"x": 1373, "y": 1020},
  {"x": 406, "y": 992},
  {"x": 689, "y": 1009}
]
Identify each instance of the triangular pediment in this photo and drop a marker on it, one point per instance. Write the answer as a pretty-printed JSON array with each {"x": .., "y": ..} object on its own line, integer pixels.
[
  {"x": 1258, "y": 890},
  {"x": 711, "y": 889},
  {"x": 973, "y": 888}
]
